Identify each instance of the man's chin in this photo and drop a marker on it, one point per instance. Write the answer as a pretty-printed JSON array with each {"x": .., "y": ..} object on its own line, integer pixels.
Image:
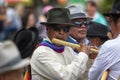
[{"x": 82, "y": 37}]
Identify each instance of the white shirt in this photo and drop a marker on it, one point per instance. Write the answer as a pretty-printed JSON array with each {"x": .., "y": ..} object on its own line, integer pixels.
[
  {"x": 108, "y": 58},
  {"x": 0, "y": 44},
  {"x": 46, "y": 64}
]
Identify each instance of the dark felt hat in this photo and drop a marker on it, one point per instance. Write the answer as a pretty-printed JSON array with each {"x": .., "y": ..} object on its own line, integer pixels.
[
  {"x": 58, "y": 16},
  {"x": 115, "y": 9},
  {"x": 26, "y": 40},
  {"x": 97, "y": 30}
]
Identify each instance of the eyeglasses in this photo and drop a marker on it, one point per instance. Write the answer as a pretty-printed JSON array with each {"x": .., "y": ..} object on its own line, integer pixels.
[
  {"x": 61, "y": 27},
  {"x": 79, "y": 24}
]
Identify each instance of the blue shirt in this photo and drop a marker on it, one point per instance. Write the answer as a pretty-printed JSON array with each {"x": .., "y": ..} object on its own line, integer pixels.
[{"x": 72, "y": 40}]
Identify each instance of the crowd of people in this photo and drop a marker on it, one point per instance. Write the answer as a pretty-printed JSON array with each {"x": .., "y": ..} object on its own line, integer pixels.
[{"x": 28, "y": 52}]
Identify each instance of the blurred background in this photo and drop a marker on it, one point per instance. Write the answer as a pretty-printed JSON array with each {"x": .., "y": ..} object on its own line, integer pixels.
[{"x": 13, "y": 11}]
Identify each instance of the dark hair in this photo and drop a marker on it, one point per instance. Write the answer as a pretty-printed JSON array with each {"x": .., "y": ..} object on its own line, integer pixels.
[
  {"x": 115, "y": 18},
  {"x": 25, "y": 18},
  {"x": 92, "y": 3}
]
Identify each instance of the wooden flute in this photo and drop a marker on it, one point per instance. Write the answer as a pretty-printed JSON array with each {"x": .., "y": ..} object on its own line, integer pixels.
[{"x": 61, "y": 42}]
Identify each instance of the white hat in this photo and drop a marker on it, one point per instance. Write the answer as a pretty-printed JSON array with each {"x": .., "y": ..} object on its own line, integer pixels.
[
  {"x": 76, "y": 12},
  {"x": 10, "y": 58}
]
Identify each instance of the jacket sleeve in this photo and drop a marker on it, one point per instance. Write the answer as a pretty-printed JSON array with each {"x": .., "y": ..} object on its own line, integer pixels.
[
  {"x": 100, "y": 65},
  {"x": 54, "y": 70}
]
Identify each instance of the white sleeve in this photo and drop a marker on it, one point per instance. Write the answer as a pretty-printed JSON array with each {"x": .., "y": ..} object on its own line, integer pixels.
[
  {"x": 54, "y": 70},
  {"x": 99, "y": 66},
  {"x": 10, "y": 15}
]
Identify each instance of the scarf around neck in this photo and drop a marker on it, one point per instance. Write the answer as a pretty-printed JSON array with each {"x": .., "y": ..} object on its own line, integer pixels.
[{"x": 56, "y": 48}]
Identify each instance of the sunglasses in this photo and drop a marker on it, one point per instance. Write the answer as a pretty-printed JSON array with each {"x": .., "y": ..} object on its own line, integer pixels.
[
  {"x": 79, "y": 24},
  {"x": 61, "y": 27}
]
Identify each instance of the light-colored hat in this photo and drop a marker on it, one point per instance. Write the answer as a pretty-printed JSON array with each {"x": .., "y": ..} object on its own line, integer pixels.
[
  {"x": 76, "y": 12},
  {"x": 10, "y": 58}
]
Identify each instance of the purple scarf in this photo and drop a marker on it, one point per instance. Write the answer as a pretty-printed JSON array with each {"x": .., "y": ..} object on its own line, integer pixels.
[{"x": 56, "y": 48}]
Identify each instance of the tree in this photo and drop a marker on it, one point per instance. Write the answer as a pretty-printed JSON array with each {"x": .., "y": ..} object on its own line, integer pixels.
[{"x": 106, "y": 6}]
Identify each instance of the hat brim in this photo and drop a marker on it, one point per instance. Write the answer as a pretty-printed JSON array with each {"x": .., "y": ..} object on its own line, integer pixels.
[
  {"x": 102, "y": 36},
  {"x": 88, "y": 18},
  {"x": 111, "y": 14},
  {"x": 47, "y": 23},
  {"x": 19, "y": 65}
]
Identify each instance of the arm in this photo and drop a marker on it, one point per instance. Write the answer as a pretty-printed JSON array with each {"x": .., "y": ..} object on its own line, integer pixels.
[
  {"x": 55, "y": 70},
  {"x": 100, "y": 64}
]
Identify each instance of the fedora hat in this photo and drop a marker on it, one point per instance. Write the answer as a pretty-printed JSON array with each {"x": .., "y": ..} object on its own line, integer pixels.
[
  {"x": 58, "y": 16},
  {"x": 10, "y": 58},
  {"x": 96, "y": 29},
  {"x": 115, "y": 9},
  {"x": 26, "y": 41},
  {"x": 77, "y": 12}
]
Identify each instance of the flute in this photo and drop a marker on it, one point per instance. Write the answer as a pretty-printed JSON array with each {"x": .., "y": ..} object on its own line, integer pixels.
[
  {"x": 61, "y": 42},
  {"x": 104, "y": 75}
]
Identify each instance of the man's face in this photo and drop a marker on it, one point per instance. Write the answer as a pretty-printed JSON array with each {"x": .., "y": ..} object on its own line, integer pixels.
[
  {"x": 80, "y": 30},
  {"x": 95, "y": 41},
  {"x": 114, "y": 23},
  {"x": 90, "y": 8},
  {"x": 58, "y": 31}
]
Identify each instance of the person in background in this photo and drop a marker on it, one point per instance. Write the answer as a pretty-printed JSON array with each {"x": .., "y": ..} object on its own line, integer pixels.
[
  {"x": 80, "y": 20},
  {"x": 42, "y": 18},
  {"x": 13, "y": 22},
  {"x": 27, "y": 38},
  {"x": 57, "y": 62},
  {"x": 28, "y": 20},
  {"x": 11, "y": 63},
  {"x": 97, "y": 34},
  {"x": 2, "y": 20},
  {"x": 79, "y": 32},
  {"x": 92, "y": 11},
  {"x": 108, "y": 58}
]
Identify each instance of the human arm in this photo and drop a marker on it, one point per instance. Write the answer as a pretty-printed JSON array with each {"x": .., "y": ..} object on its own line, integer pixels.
[
  {"x": 54, "y": 69},
  {"x": 100, "y": 64}
]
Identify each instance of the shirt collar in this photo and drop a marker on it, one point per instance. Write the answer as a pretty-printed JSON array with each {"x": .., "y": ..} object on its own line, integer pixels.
[
  {"x": 83, "y": 41},
  {"x": 73, "y": 39}
]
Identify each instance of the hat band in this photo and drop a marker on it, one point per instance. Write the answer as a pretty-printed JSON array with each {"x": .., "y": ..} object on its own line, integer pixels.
[
  {"x": 12, "y": 62},
  {"x": 78, "y": 15},
  {"x": 59, "y": 20}
]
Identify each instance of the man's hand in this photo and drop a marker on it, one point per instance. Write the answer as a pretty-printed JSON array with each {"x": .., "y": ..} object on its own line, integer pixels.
[
  {"x": 84, "y": 48},
  {"x": 91, "y": 54}
]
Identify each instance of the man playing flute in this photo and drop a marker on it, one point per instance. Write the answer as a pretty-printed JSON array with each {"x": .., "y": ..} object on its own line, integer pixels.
[
  {"x": 56, "y": 62},
  {"x": 109, "y": 54}
]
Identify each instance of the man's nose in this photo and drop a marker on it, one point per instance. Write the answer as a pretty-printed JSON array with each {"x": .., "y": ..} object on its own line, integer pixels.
[
  {"x": 61, "y": 32},
  {"x": 83, "y": 26}
]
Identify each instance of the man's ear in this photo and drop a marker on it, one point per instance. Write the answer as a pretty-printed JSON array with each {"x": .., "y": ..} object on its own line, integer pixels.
[{"x": 47, "y": 29}]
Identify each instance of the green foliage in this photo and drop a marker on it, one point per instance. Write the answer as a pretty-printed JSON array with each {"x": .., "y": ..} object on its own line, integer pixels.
[{"x": 106, "y": 5}]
